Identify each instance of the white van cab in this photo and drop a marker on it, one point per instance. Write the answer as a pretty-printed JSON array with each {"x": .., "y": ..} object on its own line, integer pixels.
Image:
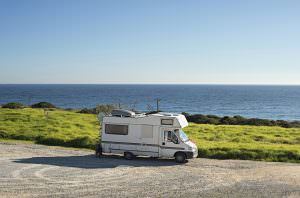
[{"x": 156, "y": 135}]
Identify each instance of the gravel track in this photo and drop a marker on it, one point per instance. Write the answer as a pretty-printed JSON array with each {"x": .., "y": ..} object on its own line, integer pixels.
[{"x": 42, "y": 171}]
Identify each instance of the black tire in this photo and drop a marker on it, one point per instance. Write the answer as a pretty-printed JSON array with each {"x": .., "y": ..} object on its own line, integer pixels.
[
  {"x": 180, "y": 157},
  {"x": 98, "y": 150},
  {"x": 128, "y": 156}
]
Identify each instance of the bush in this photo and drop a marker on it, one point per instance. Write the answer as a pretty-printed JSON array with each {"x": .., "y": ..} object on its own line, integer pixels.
[
  {"x": 198, "y": 118},
  {"x": 239, "y": 120},
  {"x": 249, "y": 154},
  {"x": 104, "y": 108},
  {"x": 13, "y": 105},
  {"x": 52, "y": 141},
  {"x": 43, "y": 105},
  {"x": 3, "y": 135},
  {"x": 79, "y": 142},
  {"x": 88, "y": 111}
]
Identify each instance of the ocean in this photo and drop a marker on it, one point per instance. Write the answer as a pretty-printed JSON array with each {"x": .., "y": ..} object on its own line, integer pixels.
[{"x": 271, "y": 102}]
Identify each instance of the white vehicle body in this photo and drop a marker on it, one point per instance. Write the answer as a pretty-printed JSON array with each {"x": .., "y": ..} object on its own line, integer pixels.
[{"x": 155, "y": 135}]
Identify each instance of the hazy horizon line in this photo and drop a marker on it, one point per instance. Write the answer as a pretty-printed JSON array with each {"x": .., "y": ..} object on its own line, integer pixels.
[{"x": 156, "y": 83}]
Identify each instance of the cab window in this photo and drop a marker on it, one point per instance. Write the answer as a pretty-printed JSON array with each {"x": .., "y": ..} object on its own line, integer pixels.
[{"x": 171, "y": 137}]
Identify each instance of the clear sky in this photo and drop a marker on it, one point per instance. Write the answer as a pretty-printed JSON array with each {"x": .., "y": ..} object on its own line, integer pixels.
[{"x": 150, "y": 41}]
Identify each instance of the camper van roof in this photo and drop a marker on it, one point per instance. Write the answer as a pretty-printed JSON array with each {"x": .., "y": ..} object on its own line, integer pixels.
[
  {"x": 166, "y": 114},
  {"x": 153, "y": 119},
  {"x": 126, "y": 113}
]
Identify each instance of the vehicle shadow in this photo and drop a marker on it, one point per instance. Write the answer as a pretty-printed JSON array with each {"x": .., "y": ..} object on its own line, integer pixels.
[{"x": 92, "y": 162}]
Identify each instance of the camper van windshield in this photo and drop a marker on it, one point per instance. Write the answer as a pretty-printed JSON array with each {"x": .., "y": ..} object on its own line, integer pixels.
[{"x": 183, "y": 136}]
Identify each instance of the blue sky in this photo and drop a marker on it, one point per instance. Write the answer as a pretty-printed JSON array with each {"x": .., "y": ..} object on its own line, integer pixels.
[{"x": 210, "y": 42}]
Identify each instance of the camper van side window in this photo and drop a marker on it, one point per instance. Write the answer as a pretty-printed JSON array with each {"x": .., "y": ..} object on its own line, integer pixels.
[
  {"x": 116, "y": 129},
  {"x": 166, "y": 121}
]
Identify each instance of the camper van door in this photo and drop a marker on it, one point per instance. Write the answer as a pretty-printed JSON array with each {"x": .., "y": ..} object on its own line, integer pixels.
[
  {"x": 148, "y": 143},
  {"x": 169, "y": 143}
]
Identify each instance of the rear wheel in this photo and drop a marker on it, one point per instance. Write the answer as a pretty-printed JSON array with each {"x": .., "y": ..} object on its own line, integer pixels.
[
  {"x": 128, "y": 156},
  {"x": 98, "y": 150},
  {"x": 180, "y": 157}
]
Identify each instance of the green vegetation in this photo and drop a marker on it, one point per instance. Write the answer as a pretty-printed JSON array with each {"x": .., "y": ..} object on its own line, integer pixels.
[
  {"x": 239, "y": 120},
  {"x": 67, "y": 128},
  {"x": 88, "y": 111},
  {"x": 246, "y": 142},
  {"x": 105, "y": 108},
  {"x": 16, "y": 141},
  {"x": 55, "y": 127},
  {"x": 43, "y": 105},
  {"x": 13, "y": 105}
]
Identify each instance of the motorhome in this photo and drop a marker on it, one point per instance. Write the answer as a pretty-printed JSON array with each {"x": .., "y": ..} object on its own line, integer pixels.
[{"x": 157, "y": 134}]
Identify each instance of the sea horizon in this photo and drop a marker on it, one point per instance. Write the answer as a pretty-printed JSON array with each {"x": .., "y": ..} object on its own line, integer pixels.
[
  {"x": 218, "y": 84},
  {"x": 276, "y": 102}
]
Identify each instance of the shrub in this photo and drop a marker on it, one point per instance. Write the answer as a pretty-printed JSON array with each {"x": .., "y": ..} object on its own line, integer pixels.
[
  {"x": 239, "y": 120},
  {"x": 88, "y": 111},
  {"x": 79, "y": 142},
  {"x": 227, "y": 120},
  {"x": 21, "y": 137},
  {"x": 43, "y": 105},
  {"x": 257, "y": 122},
  {"x": 13, "y": 105},
  {"x": 249, "y": 154},
  {"x": 198, "y": 118},
  {"x": 105, "y": 108},
  {"x": 52, "y": 141},
  {"x": 295, "y": 124},
  {"x": 3, "y": 135}
]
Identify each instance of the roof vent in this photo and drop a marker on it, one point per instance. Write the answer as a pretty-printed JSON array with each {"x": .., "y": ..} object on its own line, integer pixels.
[{"x": 122, "y": 113}]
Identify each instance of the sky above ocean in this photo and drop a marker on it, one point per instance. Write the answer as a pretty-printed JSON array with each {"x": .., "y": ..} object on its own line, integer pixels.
[{"x": 89, "y": 41}]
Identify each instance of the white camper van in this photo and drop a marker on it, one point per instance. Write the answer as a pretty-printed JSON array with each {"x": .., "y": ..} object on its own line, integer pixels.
[{"x": 155, "y": 135}]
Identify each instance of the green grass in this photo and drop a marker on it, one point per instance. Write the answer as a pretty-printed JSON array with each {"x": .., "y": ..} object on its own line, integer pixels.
[
  {"x": 246, "y": 142},
  {"x": 66, "y": 128},
  {"x": 55, "y": 127},
  {"x": 16, "y": 141}
]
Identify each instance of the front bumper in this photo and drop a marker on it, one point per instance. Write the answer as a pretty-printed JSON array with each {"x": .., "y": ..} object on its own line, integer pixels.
[
  {"x": 195, "y": 153},
  {"x": 191, "y": 154}
]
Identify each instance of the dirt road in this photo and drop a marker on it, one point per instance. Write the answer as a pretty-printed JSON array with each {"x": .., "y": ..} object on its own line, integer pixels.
[{"x": 41, "y": 171}]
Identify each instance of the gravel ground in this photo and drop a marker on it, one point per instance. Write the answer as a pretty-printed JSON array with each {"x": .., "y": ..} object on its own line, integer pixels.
[{"x": 42, "y": 171}]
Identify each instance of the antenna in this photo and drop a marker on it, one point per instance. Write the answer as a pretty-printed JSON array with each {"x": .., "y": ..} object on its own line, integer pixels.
[{"x": 157, "y": 104}]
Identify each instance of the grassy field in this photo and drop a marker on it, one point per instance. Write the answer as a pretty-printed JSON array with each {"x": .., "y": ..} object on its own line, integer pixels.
[
  {"x": 57, "y": 127},
  {"x": 246, "y": 142},
  {"x": 65, "y": 128}
]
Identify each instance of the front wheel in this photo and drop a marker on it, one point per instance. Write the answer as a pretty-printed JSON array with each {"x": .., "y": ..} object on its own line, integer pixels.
[{"x": 180, "y": 157}]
